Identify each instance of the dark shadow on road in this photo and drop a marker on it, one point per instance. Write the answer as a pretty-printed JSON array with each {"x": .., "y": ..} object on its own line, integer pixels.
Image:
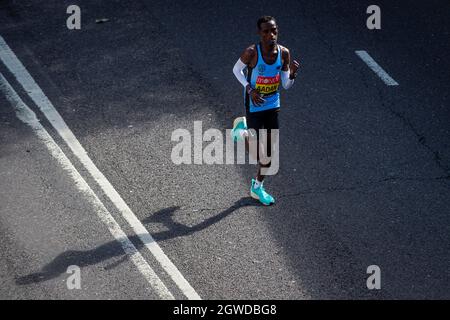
[
  {"x": 113, "y": 249},
  {"x": 81, "y": 259},
  {"x": 177, "y": 229}
]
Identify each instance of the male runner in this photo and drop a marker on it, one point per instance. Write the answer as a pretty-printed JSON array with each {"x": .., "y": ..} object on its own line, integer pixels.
[{"x": 267, "y": 65}]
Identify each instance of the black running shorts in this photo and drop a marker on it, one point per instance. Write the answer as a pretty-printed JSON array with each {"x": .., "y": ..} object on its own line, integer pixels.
[{"x": 263, "y": 120}]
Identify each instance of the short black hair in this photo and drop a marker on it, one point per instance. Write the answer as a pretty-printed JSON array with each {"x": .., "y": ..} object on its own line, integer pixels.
[{"x": 265, "y": 19}]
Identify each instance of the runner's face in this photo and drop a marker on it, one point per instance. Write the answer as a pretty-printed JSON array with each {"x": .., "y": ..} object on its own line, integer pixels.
[{"x": 269, "y": 33}]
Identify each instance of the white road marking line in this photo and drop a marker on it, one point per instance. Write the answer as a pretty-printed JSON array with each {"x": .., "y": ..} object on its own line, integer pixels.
[
  {"x": 40, "y": 99},
  {"x": 376, "y": 68},
  {"x": 26, "y": 115}
]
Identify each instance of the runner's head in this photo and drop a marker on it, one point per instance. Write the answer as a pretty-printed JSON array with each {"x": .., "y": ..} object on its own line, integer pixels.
[{"x": 268, "y": 30}]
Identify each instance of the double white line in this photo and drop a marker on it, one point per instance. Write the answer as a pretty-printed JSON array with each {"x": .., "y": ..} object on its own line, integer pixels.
[{"x": 25, "y": 114}]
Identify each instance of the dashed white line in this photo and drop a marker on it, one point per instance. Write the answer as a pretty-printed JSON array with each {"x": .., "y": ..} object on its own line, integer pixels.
[
  {"x": 387, "y": 79},
  {"x": 26, "y": 115},
  {"x": 16, "y": 67}
]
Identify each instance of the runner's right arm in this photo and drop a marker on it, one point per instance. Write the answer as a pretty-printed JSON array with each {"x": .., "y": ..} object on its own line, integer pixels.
[{"x": 238, "y": 70}]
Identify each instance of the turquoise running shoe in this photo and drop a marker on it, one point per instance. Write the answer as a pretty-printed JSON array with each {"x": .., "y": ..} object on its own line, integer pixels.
[
  {"x": 239, "y": 124},
  {"x": 261, "y": 194}
]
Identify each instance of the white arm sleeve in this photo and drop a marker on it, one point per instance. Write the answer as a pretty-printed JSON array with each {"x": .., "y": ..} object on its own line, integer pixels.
[
  {"x": 238, "y": 72},
  {"x": 285, "y": 81}
]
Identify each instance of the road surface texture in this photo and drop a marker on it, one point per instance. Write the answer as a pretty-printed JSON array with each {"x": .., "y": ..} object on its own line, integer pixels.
[{"x": 365, "y": 167}]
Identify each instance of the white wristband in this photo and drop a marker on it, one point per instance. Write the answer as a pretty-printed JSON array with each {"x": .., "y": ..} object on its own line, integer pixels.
[{"x": 285, "y": 81}]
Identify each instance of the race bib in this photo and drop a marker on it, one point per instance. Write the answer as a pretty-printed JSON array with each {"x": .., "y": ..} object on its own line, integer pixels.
[{"x": 267, "y": 85}]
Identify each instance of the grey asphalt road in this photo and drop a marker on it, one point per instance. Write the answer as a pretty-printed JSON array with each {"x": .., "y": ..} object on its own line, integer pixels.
[{"x": 365, "y": 167}]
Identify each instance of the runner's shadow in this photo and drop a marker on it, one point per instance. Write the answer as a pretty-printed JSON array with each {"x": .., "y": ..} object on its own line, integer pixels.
[
  {"x": 113, "y": 249},
  {"x": 176, "y": 229},
  {"x": 81, "y": 259}
]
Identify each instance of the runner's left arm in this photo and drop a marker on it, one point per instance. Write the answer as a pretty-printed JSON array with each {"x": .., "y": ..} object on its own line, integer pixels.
[{"x": 289, "y": 69}]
